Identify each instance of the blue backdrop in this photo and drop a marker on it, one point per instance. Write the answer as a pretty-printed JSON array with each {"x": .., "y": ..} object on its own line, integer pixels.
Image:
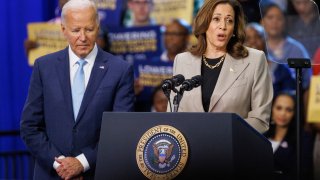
[{"x": 14, "y": 70}]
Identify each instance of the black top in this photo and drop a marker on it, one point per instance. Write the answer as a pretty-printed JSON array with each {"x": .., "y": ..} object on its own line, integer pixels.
[{"x": 210, "y": 78}]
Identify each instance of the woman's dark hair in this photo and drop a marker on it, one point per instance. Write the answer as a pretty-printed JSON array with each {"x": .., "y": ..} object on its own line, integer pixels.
[
  {"x": 291, "y": 133},
  {"x": 201, "y": 24}
]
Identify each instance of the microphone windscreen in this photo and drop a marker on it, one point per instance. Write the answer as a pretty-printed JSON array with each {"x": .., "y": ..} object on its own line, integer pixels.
[
  {"x": 198, "y": 80},
  {"x": 178, "y": 79}
]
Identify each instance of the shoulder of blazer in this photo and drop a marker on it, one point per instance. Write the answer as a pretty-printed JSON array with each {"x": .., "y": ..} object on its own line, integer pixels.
[
  {"x": 256, "y": 57},
  {"x": 187, "y": 57},
  {"x": 254, "y": 53},
  {"x": 53, "y": 57}
]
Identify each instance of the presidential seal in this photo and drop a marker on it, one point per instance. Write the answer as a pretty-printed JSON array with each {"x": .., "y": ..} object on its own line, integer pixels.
[{"x": 162, "y": 152}]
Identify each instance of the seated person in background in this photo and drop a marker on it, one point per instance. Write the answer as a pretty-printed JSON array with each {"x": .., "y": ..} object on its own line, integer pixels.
[
  {"x": 176, "y": 37},
  {"x": 255, "y": 36},
  {"x": 282, "y": 79},
  {"x": 139, "y": 12},
  {"x": 305, "y": 26},
  {"x": 282, "y": 137},
  {"x": 280, "y": 46},
  {"x": 159, "y": 100}
]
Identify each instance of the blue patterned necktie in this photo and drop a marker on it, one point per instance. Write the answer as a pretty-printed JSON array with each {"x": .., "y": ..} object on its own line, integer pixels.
[{"x": 78, "y": 88}]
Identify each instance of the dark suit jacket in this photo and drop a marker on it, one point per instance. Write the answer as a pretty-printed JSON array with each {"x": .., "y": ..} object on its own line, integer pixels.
[
  {"x": 48, "y": 127},
  {"x": 285, "y": 157}
]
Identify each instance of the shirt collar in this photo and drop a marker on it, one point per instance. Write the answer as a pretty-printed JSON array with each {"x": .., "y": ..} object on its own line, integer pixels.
[{"x": 90, "y": 58}]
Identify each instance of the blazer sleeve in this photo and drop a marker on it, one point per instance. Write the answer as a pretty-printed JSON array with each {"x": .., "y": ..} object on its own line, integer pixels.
[
  {"x": 261, "y": 97},
  {"x": 32, "y": 124},
  {"x": 123, "y": 102},
  {"x": 124, "y": 99}
]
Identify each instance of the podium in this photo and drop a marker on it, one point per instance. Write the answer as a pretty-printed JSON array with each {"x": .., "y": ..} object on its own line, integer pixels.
[{"x": 220, "y": 145}]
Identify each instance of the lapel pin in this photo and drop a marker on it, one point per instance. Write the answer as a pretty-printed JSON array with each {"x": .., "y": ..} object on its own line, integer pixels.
[{"x": 101, "y": 67}]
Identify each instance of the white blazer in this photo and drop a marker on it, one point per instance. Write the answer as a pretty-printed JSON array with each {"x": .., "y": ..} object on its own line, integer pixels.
[{"x": 244, "y": 87}]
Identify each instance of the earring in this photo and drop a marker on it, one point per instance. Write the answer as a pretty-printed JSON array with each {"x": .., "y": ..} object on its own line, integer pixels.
[{"x": 233, "y": 35}]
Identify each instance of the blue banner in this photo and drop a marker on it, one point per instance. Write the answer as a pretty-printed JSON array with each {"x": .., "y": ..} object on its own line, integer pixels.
[
  {"x": 136, "y": 44},
  {"x": 109, "y": 12},
  {"x": 150, "y": 74}
]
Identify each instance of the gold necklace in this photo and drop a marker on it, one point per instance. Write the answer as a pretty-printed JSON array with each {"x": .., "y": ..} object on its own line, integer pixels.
[{"x": 210, "y": 66}]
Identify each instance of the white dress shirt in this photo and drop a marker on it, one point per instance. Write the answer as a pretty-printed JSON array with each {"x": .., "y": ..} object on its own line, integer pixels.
[
  {"x": 87, "y": 68},
  {"x": 275, "y": 145}
]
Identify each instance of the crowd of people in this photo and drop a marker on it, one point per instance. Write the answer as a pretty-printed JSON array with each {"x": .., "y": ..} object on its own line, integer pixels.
[{"x": 261, "y": 89}]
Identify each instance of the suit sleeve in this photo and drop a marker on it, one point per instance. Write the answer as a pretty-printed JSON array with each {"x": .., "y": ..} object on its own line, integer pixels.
[
  {"x": 32, "y": 125},
  {"x": 123, "y": 102},
  {"x": 261, "y": 97},
  {"x": 124, "y": 98}
]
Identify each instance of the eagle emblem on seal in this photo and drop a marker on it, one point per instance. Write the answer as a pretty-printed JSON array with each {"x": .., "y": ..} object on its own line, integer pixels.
[{"x": 162, "y": 150}]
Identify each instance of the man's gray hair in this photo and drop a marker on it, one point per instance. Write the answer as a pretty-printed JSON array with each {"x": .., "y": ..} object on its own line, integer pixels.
[{"x": 78, "y": 4}]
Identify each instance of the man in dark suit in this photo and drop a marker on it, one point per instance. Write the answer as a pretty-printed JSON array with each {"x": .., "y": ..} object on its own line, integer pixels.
[{"x": 69, "y": 91}]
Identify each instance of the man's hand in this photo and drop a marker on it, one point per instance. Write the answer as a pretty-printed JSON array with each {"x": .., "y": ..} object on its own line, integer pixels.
[{"x": 69, "y": 167}]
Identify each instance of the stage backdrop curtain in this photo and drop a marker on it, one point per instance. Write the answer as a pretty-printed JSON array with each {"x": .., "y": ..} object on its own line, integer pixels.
[{"x": 14, "y": 70}]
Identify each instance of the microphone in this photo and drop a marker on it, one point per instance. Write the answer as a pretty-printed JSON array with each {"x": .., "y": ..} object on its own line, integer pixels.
[
  {"x": 194, "y": 82},
  {"x": 169, "y": 84}
]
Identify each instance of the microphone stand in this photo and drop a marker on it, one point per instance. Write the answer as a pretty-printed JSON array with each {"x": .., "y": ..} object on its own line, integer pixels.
[
  {"x": 298, "y": 64},
  {"x": 177, "y": 98},
  {"x": 167, "y": 94}
]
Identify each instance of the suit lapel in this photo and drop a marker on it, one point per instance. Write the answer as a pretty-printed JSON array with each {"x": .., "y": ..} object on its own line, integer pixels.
[
  {"x": 63, "y": 72},
  {"x": 98, "y": 71},
  {"x": 231, "y": 70},
  {"x": 195, "y": 68}
]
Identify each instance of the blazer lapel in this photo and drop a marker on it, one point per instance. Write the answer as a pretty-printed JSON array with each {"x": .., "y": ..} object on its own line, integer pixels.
[
  {"x": 231, "y": 70},
  {"x": 63, "y": 72},
  {"x": 195, "y": 69},
  {"x": 98, "y": 71}
]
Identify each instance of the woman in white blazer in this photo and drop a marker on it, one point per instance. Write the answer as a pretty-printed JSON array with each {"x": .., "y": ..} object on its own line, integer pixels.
[{"x": 235, "y": 78}]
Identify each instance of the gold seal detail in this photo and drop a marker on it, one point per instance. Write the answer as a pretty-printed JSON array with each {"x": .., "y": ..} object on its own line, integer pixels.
[{"x": 162, "y": 152}]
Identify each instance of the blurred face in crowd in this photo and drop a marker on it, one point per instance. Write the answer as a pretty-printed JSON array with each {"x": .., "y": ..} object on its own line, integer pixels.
[
  {"x": 253, "y": 39},
  {"x": 303, "y": 7},
  {"x": 160, "y": 102},
  {"x": 274, "y": 22},
  {"x": 221, "y": 27},
  {"x": 141, "y": 10},
  {"x": 81, "y": 28},
  {"x": 175, "y": 38},
  {"x": 283, "y": 110}
]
